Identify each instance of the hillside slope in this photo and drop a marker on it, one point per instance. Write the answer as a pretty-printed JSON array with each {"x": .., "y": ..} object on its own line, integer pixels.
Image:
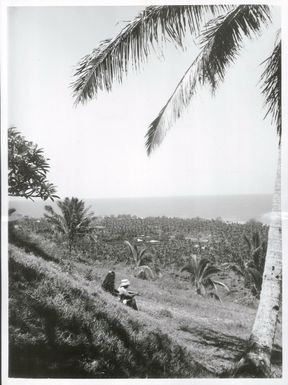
[{"x": 63, "y": 325}]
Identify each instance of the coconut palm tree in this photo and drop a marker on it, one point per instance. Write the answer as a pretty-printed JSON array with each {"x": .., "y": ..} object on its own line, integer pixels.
[
  {"x": 221, "y": 40},
  {"x": 202, "y": 273},
  {"x": 74, "y": 222}
]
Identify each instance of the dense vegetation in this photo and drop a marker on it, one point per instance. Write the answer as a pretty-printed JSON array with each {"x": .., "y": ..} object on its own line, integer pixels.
[
  {"x": 27, "y": 169},
  {"x": 170, "y": 240},
  {"x": 62, "y": 324}
]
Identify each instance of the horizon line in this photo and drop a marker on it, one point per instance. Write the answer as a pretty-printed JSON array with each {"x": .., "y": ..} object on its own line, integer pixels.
[{"x": 147, "y": 197}]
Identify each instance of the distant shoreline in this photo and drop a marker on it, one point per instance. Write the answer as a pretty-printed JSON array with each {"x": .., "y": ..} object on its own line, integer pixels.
[{"x": 231, "y": 208}]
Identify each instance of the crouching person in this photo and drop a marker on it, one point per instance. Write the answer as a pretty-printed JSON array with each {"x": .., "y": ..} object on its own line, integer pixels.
[
  {"x": 126, "y": 296},
  {"x": 109, "y": 284}
]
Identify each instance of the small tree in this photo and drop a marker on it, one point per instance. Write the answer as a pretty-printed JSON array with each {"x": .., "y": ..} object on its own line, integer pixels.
[
  {"x": 75, "y": 221},
  {"x": 202, "y": 271},
  {"x": 27, "y": 169},
  {"x": 140, "y": 261},
  {"x": 253, "y": 268}
]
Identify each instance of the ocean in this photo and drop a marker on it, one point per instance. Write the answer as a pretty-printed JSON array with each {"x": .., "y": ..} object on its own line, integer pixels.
[{"x": 234, "y": 208}]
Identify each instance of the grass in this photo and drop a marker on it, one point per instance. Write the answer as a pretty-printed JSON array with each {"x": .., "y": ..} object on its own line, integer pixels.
[{"x": 62, "y": 324}]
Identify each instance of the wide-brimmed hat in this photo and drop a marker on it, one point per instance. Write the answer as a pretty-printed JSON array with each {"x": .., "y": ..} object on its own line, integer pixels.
[{"x": 124, "y": 282}]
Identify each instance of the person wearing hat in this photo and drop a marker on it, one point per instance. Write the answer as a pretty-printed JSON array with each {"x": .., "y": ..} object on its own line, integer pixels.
[{"x": 126, "y": 296}]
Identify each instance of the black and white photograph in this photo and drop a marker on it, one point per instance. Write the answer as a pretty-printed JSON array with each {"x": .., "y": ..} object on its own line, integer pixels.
[{"x": 144, "y": 191}]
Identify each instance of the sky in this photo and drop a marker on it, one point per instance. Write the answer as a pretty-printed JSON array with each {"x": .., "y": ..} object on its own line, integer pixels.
[{"x": 221, "y": 145}]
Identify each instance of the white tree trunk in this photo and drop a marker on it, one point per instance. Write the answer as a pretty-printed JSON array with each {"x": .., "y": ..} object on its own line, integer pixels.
[{"x": 257, "y": 359}]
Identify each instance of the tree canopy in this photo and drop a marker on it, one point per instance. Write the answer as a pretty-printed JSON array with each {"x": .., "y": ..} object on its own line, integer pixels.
[
  {"x": 27, "y": 169},
  {"x": 74, "y": 222}
]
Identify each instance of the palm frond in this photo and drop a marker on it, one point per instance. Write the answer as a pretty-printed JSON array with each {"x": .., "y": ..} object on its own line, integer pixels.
[
  {"x": 271, "y": 85},
  {"x": 219, "y": 283},
  {"x": 133, "y": 251},
  {"x": 145, "y": 258},
  {"x": 256, "y": 277},
  {"x": 110, "y": 61},
  {"x": 188, "y": 268},
  {"x": 147, "y": 271},
  {"x": 236, "y": 268},
  {"x": 210, "y": 282},
  {"x": 202, "y": 265},
  {"x": 142, "y": 252},
  {"x": 209, "y": 271},
  {"x": 221, "y": 43}
]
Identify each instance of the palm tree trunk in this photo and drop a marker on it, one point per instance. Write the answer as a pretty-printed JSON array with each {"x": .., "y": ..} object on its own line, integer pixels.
[{"x": 256, "y": 361}]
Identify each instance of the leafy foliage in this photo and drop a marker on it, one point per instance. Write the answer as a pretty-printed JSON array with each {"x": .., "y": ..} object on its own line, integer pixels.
[
  {"x": 202, "y": 271},
  {"x": 271, "y": 84},
  {"x": 215, "y": 240},
  {"x": 252, "y": 268},
  {"x": 220, "y": 40},
  {"x": 27, "y": 169},
  {"x": 74, "y": 222},
  {"x": 134, "y": 43},
  {"x": 140, "y": 260}
]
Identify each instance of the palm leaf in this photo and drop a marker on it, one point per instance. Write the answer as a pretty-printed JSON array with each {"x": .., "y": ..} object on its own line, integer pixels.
[
  {"x": 132, "y": 250},
  {"x": 144, "y": 258},
  {"x": 107, "y": 63},
  {"x": 221, "y": 41},
  {"x": 210, "y": 282},
  {"x": 209, "y": 271},
  {"x": 256, "y": 276},
  {"x": 236, "y": 268},
  {"x": 271, "y": 85},
  {"x": 142, "y": 252},
  {"x": 189, "y": 268},
  {"x": 147, "y": 271},
  {"x": 220, "y": 284}
]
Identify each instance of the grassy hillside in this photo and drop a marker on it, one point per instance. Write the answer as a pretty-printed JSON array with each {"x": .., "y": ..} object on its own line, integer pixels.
[{"x": 62, "y": 324}]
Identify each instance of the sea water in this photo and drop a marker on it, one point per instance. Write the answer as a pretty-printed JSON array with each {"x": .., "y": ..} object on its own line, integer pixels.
[{"x": 234, "y": 208}]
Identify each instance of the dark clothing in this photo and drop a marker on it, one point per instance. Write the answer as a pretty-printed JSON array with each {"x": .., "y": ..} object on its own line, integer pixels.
[
  {"x": 109, "y": 284},
  {"x": 127, "y": 297}
]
